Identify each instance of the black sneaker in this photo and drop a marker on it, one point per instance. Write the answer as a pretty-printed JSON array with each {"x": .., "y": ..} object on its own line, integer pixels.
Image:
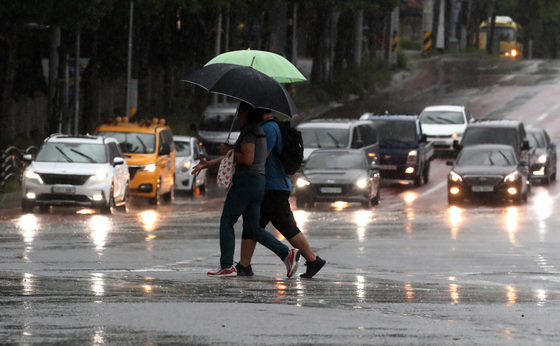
[
  {"x": 244, "y": 271},
  {"x": 312, "y": 268}
]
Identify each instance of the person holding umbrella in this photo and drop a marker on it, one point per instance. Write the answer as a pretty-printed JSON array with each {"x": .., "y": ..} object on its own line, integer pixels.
[
  {"x": 275, "y": 207},
  {"x": 245, "y": 194}
]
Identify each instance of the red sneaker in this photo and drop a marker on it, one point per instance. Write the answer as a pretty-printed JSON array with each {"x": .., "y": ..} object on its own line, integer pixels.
[
  {"x": 291, "y": 262},
  {"x": 231, "y": 271}
]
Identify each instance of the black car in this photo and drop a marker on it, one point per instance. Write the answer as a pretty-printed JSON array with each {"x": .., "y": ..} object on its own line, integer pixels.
[
  {"x": 543, "y": 161},
  {"x": 338, "y": 175},
  {"x": 488, "y": 171}
]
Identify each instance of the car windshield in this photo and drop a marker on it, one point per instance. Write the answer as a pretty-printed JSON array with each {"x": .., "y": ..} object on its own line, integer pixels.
[
  {"x": 487, "y": 157},
  {"x": 536, "y": 140},
  {"x": 133, "y": 142},
  {"x": 324, "y": 137},
  {"x": 183, "y": 148},
  {"x": 490, "y": 135},
  {"x": 395, "y": 133},
  {"x": 442, "y": 117},
  {"x": 72, "y": 152},
  {"x": 329, "y": 160},
  {"x": 220, "y": 122}
]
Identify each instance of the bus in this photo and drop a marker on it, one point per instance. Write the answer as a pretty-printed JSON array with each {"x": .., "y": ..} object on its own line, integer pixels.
[{"x": 507, "y": 33}]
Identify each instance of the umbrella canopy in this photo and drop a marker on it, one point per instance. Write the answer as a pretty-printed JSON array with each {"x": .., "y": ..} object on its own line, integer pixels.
[
  {"x": 271, "y": 64},
  {"x": 246, "y": 84}
]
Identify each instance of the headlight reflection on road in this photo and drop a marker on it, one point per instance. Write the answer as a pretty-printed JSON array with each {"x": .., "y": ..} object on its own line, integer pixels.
[
  {"x": 301, "y": 217},
  {"x": 541, "y": 296},
  {"x": 362, "y": 218},
  {"x": 409, "y": 197},
  {"x": 100, "y": 226},
  {"x": 511, "y": 295},
  {"x": 28, "y": 226},
  {"x": 455, "y": 219},
  {"x": 512, "y": 222},
  {"x": 409, "y": 291},
  {"x": 28, "y": 284},
  {"x": 149, "y": 219},
  {"x": 360, "y": 288},
  {"x": 454, "y": 291},
  {"x": 97, "y": 284},
  {"x": 410, "y": 216},
  {"x": 543, "y": 208}
]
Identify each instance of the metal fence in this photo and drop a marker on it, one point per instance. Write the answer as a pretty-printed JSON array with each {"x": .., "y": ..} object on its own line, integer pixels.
[{"x": 13, "y": 164}]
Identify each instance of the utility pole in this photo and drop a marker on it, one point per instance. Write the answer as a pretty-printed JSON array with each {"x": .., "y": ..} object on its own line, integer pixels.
[
  {"x": 77, "y": 87},
  {"x": 394, "y": 36},
  {"x": 440, "y": 39},
  {"x": 129, "y": 61},
  {"x": 217, "y": 47}
]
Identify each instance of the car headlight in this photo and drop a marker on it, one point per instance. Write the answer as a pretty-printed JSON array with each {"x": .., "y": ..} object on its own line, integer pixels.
[
  {"x": 455, "y": 135},
  {"x": 302, "y": 182},
  {"x": 512, "y": 177},
  {"x": 455, "y": 177},
  {"x": 150, "y": 168},
  {"x": 362, "y": 183},
  {"x": 100, "y": 176},
  {"x": 29, "y": 174},
  {"x": 412, "y": 156},
  {"x": 186, "y": 166},
  {"x": 542, "y": 158}
]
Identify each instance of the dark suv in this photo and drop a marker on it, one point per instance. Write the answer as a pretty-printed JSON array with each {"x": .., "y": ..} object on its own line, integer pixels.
[
  {"x": 509, "y": 132},
  {"x": 404, "y": 151}
]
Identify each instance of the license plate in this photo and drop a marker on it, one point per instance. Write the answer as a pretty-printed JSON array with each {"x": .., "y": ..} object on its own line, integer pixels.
[
  {"x": 331, "y": 190},
  {"x": 389, "y": 167},
  {"x": 483, "y": 188},
  {"x": 63, "y": 189}
]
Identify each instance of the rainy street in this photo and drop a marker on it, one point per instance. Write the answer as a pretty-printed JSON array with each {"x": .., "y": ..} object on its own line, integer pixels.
[{"x": 411, "y": 270}]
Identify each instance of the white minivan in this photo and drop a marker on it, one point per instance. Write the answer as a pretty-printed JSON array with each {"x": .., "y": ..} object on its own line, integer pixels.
[{"x": 187, "y": 156}]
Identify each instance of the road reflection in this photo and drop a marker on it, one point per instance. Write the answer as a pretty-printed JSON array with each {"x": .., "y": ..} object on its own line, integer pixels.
[
  {"x": 97, "y": 285},
  {"x": 511, "y": 295},
  {"x": 543, "y": 204},
  {"x": 455, "y": 218},
  {"x": 453, "y": 291},
  {"x": 28, "y": 226},
  {"x": 512, "y": 222},
  {"x": 100, "y": 226}
]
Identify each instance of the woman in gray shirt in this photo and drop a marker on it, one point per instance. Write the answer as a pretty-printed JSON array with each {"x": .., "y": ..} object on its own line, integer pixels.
[{"x": 246, "y": 192}]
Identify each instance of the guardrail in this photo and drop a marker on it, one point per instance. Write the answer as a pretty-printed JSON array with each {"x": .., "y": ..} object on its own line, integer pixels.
[{"x": 12, "y": 164}]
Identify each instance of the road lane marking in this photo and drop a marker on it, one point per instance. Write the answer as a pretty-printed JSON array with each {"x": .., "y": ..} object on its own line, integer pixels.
[
  {"x": 423, "y": 194},
  {"x": 545, "y": 114}
]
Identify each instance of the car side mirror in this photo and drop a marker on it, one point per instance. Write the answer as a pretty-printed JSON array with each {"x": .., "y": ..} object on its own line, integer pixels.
[
  {"x": 165, "y": 149},
  {"x": 424, "y": 138},
  {"x": 28, "y": 157},
  {"x": 456, "y": 145},
  {"x": 525, "y": 145},
  {"x": 449, "y": 163},
  {"x": 118, "y": 161}
]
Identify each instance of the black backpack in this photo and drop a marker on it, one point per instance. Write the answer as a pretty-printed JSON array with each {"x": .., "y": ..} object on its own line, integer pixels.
[{"x": 291, "y": 156}]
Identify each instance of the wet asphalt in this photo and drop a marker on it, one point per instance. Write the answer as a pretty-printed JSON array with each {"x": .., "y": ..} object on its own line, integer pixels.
[{"x": 410, "y": 271}]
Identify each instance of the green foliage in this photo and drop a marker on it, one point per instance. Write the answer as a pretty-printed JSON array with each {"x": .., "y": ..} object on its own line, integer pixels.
[
  {"x": 354, "y": 81},
  {"x": 411, "y": 45},
  {"x": 402, "y": 60}
]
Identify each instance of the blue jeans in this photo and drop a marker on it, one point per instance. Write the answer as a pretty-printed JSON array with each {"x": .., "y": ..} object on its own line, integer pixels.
[{"x": 244, "y": 198}]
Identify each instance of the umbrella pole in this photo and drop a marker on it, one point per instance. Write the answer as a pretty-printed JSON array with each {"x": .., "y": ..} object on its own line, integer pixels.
[{"x": 231, "y": 128}]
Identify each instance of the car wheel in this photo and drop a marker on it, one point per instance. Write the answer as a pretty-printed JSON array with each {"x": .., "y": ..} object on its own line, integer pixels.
[
  {"x": 426, "y": 173},
  {"x": 418, "y": 180},
  {"x": 170, "y": 196},
  {"x": 27, "y": 206},
  {"x": 122, "y": 207},
  {"x": 108, "y": 208},
  {"x": 375, "y": 200},
  {"x": 44, "y": 208},
  {"x": 156, "y": 199}
]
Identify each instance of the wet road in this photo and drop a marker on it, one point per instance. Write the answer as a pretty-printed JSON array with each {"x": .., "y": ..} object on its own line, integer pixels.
[{"x": 409, "y": 271}]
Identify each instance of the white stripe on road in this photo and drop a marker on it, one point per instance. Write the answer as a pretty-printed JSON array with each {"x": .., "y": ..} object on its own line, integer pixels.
[
  {"x": 423, "y": 194},
  {"x": 545, "y": 114}
]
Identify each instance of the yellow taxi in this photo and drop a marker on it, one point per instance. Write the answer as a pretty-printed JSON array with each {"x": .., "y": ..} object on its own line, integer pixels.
[{"x": 149, "y": 151}]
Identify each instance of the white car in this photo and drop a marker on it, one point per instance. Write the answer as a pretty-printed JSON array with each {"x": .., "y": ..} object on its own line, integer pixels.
[
  {"x": 188, "y": 151},
  {"x": 87, "y": 171},
  {"x": 444, "y": 124}
]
